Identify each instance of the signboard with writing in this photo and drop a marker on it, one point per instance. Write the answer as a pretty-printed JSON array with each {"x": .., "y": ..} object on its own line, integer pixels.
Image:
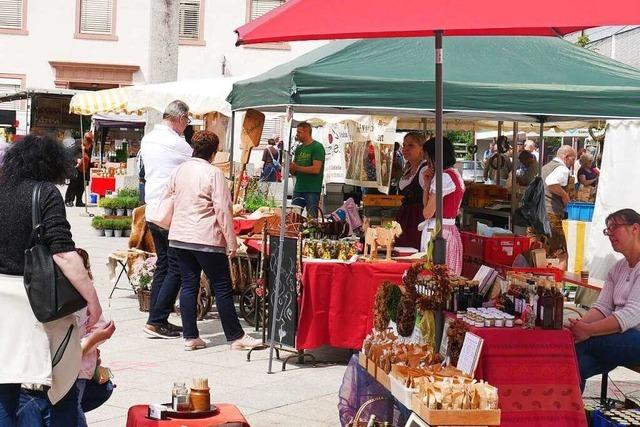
[
  {"x": 359, "y": 152},
  {"x": 286, "y": 301}
]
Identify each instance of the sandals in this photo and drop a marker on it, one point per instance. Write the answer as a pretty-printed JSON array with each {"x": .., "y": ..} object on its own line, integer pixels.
[{"x": 194, "y": 344}]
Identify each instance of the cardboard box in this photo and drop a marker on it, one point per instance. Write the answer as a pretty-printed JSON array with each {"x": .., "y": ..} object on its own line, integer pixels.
[{"x": 539, "y": 257}]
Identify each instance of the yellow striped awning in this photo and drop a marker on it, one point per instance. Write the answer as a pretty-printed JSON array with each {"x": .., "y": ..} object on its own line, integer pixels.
[{"x": 102, "y": 101}]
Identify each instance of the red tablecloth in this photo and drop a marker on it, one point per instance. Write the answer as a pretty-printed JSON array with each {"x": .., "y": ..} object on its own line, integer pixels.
[
  {"x": 242, "y": 225},
  {"x": 101, "y": 185},
  {"x": 337, "y": 301},
  {"x": 536, "y": 372},
  {"x": 137, "y": 417}
]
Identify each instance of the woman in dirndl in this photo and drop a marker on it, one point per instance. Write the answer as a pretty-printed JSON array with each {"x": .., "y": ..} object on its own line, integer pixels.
[
  {"x": 452, "y": 192},
  {"x": 411, "y": 186}
]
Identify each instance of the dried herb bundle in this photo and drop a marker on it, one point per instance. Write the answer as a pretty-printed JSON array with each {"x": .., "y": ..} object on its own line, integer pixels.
[
  {"x": 456, "y": 332},
  {"x": 381, "y": 315}
]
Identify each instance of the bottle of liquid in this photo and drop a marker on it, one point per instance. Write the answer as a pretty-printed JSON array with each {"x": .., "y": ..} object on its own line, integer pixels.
[
  {"x": 547, "y": 307},
  {"x": 558, "y": 307},
  {"x": 180, "y": 397}
]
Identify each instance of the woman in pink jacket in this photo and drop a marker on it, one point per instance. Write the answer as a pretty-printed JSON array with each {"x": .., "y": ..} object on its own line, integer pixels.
[{"x": 202, "y": 235}]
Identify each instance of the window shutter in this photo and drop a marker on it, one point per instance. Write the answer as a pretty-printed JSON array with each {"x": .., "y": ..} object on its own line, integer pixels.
[
  {"x": 190, "y": 19},
  {"x": 11, "y": 14},
  {"x": 271, "y": 128},
  {"x": 96, "y": 16},
  {"x": 260, "y": 7},
  {"x": 9, "y": 86}
]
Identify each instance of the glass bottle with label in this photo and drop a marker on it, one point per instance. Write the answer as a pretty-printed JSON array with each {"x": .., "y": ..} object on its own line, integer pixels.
[
  {"x": 547, "y": 306},
  {"x": 558, "y": 311},
  {"x": 180, "y": 397}
]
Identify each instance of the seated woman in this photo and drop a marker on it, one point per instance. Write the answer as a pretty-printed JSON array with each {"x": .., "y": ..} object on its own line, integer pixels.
[
  {"x": 452, "y": 192},
  {"x": 608, "y": 335}
]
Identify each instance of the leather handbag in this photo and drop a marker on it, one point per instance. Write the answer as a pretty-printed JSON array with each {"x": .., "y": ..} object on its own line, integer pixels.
[
  {"x": 50, "y": 293},
  {"x": 164, "y": 213}
]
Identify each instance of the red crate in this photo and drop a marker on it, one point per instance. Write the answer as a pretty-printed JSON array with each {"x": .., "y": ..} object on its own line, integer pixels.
[
  {"x": 470, "y": 267},
  {"x": 503, "y": 250},
  {"x": 472, "y": 245}
]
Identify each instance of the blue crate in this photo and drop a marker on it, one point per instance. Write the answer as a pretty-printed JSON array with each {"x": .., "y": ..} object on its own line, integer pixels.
[{"x": 580, "y": 211}]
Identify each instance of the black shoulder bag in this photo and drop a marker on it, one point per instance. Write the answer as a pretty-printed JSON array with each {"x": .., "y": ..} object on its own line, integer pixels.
[{"x": 50, "y": 293}]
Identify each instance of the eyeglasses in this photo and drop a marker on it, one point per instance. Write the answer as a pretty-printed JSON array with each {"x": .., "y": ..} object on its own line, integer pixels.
[
  {"x": 188, "y": 120},
  {"x": 612, "y": 228}
]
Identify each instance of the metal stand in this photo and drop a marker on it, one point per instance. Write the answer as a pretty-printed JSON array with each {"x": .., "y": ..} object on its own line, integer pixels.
[{"x": 123, "y": 269}]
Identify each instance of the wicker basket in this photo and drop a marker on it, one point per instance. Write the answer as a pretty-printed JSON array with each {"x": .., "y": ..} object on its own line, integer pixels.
[{"x": 144, "y": 300}]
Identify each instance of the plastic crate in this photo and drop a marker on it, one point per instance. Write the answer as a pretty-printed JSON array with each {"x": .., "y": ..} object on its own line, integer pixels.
[
  {"x": 470, "y": 267},
  {"x": 472, "y": 245},
  {"x": 503, "y": 250},
  {"x": 580, "y": 211}
]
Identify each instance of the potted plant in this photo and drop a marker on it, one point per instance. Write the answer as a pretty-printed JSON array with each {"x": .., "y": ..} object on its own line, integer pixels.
[
  {"x": 119, "y": 204},
  {"x": 126, "y": 232},
  {"x": 141, "y": 280},
  {"x": 118, "y": 227},
  {"x": 129, "y": 192},
  {"x": 108, "y": 225},
  {"x": 131, "y": 203},
  {"x": 98, "y": 224},
  {"x": 107, "y": 204}
]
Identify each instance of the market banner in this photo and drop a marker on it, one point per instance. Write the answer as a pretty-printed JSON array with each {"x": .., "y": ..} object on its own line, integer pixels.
[{"x": 359, "y": 152}]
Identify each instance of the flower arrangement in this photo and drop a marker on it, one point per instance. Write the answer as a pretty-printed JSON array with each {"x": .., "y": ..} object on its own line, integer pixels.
[{"x": 143, "y": 274}]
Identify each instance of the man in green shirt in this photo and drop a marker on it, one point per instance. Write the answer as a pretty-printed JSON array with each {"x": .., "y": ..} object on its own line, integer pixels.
[{"x": 308, "y": 166}]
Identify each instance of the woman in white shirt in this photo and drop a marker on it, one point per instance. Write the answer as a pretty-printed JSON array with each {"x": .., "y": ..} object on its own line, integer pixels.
[{"x": 608, "y": 335}]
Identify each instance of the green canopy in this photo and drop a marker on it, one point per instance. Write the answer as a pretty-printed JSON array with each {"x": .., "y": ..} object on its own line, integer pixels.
[{"x": 511, "y": 78}]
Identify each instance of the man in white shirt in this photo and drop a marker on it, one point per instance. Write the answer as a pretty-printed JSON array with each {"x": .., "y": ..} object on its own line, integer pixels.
[
  {"x": 556, "y": 180},
  {"x": 162, "y": 150},
  {"x": 530, "y": 146}
]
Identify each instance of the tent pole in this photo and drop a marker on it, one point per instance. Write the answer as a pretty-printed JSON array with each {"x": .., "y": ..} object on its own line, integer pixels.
[
  {"x": 514, "y": 167},
  {"x": 496, "y": 179},
  {"x": 232, "y": 147},
  {"x": 440, "y": 245},
  {"x": 273, "y": 311},
  {"x": 541, "y": 143}
]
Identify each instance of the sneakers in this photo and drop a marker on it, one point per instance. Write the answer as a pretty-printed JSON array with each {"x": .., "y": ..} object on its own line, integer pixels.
[
  {"x": 194, "y": 344},
  {"x": 247, "y": 342},
  {"x": 161, "y": 332},
  {"x": 173, "y": 327}
]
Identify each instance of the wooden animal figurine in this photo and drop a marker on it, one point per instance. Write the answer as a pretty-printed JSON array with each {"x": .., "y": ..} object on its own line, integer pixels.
[{"x": 380, "y": 236}]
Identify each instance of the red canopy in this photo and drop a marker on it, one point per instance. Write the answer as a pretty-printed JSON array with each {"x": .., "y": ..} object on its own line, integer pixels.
[{"x": 347, "y": 19}]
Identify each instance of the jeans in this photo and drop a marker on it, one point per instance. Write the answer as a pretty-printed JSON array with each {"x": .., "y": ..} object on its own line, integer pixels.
[
  {"x": 166, "y": 279},
  {"x": 9, "y": 397},
  {"x": 268, "y": 173},
  {"x": 604, "y": 353},
  {"x": 95, "y": 395},
  {"x": 216, "y": 267},
  {"x": 311, "y": 201},
  {"x": 36, "y": 411}
]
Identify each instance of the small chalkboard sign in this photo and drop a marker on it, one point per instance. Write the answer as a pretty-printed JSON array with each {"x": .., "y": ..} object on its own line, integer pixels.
[{"x": 286, "y": 318}]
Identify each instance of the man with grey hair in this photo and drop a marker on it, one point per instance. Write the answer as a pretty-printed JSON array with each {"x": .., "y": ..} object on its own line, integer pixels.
[
  {"x": 556, "y": 181},
  {"x": 162, "y": 150}
]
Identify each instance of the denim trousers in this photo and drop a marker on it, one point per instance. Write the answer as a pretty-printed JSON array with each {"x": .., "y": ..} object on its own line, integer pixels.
[
  {"x": 604, "y": 353},
  {"x": 166, "y": 278},
  {"x": 216, "y": 267},
  {"x": 34, "y": 410},
  {"x": 308, "y": 200}
]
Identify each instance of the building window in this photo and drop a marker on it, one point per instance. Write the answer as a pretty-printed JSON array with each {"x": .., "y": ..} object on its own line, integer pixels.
[
  {"x": 260, "y": 7},
  {"x": 13, "y": 17},
  {"x": 12, "y": 83},
  {"x": 257, "y": 8},
  {"x": 96, "y": 19},
  {"x": 191, "y": 22}
]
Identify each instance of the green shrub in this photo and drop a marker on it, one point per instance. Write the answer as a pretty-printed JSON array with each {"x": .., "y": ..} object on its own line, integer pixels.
[
  {"x": 98, "y": 222},
  {"x": 107, "y": 203},
  {"x": 122, "y": 224},
  {"x": 132, "y": 202},
  {"x": 109, "y": 224},
  {"x": 129, "y": 192}
]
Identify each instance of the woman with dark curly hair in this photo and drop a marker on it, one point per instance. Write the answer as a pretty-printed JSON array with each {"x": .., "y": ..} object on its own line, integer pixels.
[
  {"x": 25, "y": 354},
  {"x": 201, "y": 233}
]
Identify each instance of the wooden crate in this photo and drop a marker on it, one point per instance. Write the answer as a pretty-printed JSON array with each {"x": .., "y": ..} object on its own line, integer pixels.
[
  {"x": 455, "y": 418},
  {"x": 371, "y": 368},
  {"x": 383, "y": 378},
  {"x": 382, "y": 200},
  {"x": 362, "y": 359}
]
